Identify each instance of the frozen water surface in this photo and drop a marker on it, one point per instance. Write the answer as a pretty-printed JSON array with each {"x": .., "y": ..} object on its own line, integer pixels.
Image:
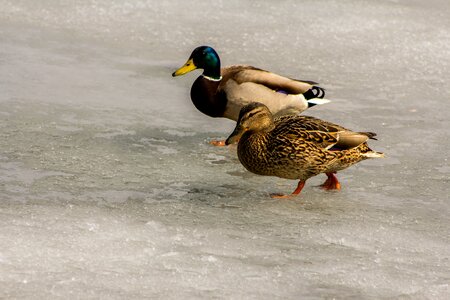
[{"x": 109, "y": 188}]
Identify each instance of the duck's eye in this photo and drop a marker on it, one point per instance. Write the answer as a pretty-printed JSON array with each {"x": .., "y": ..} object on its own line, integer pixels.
[{"x": 252, "y": 114}]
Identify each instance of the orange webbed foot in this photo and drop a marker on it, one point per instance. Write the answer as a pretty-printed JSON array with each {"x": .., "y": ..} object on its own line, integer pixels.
[
  {"x": 332, "y": 183},
  {"x": 297, "y": 191},
  {"x": 218, "y": 143}
]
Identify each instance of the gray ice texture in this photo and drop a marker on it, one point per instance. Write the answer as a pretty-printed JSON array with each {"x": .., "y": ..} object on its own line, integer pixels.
[{"x": 110, "y": 190}]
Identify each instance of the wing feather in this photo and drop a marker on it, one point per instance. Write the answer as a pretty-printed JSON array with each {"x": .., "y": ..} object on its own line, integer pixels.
[
  {"x": 322, "y": 133},
  {"x": 273, "y": 81}
]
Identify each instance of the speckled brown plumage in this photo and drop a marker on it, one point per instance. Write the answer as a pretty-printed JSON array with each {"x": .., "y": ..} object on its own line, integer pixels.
[{"x": 296, "y": 147}]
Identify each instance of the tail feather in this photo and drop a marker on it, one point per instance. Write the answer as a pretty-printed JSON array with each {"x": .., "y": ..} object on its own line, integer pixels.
[
  {"x": 315, "y": 96},
  {"x": 371, "y": 135},
  {"x": 373, "y": 154},
  {"x": 317, "y": 101},
  {"x": 314, "y": 92}
]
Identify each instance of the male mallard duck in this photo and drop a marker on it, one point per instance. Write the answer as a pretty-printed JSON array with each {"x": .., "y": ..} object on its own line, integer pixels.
[
  {"x": 222, "y": 92},
  {"x": 297, "y": 147}
]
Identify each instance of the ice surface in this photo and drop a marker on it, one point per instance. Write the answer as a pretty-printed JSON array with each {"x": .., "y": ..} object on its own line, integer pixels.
[{"x": 109, "y": 188}]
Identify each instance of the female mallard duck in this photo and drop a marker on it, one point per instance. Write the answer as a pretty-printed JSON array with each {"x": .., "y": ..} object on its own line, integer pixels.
[
  {"x": 222, "y": 92},
  {"x": 297, "y": 147}
]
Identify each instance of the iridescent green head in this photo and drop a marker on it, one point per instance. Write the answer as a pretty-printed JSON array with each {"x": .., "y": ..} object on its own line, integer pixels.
[{"x": 203, "y": 57}]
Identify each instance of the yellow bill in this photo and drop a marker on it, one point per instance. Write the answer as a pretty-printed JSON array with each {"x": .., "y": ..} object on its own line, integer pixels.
[{"x": 186, "y": 68}]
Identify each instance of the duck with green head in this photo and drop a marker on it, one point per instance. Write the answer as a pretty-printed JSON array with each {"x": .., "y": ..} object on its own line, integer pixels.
[
  {"x": 296, "y": 146},
  {"x": 222, "y": 92}
]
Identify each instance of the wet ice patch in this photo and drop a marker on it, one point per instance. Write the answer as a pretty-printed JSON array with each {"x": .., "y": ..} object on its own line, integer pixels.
[
  {"x": 215, "y": 158},
  {"x": 160, "y": 145},
  {"x": 179, "y": 133},
  {"x": 113, "y": 134}
]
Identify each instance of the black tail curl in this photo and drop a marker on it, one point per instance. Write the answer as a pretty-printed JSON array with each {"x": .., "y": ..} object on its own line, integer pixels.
[{"x": 314, "y": 92}]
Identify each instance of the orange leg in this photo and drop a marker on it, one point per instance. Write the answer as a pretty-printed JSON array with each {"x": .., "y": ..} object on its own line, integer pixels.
[
  {"x": 219, "y": 143},
  {"x": 297, "y": 191},
  {"x": 332, "y": 183}
]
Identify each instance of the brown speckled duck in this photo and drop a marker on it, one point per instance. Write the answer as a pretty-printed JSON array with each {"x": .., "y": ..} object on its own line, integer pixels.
[
  {"x": 222, "y": 92},
  {"x": 297, "y": 147}
]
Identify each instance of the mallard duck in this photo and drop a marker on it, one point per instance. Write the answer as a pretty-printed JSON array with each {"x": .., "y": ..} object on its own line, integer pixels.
[
  {"x": 222, "y": 92},
  {"x": 297, "y": 147}
]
